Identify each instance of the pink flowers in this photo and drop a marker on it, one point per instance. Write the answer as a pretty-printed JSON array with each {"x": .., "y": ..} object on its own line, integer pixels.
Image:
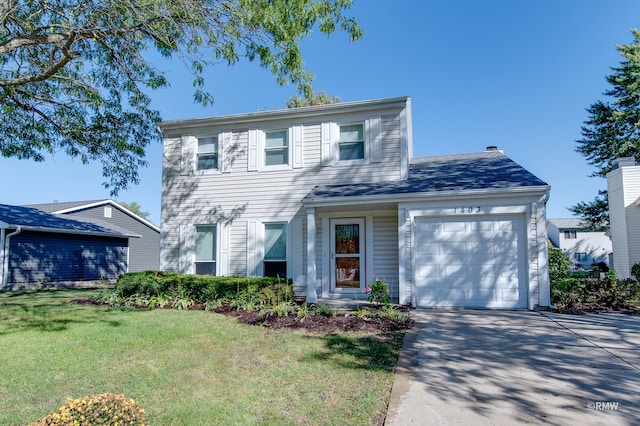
[{"x": 366, "y": 288}]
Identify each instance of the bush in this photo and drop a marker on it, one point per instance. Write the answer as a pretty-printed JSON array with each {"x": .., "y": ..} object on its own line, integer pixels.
[
  {"x": 607, "y": 293},
  {"x": 152, "y": 285},
  {"x": 378, "y": 291},
  {"x": 559, "y": 265},
  {"x": 102, "y": 409},
  {"x": 635, "y": 271}
]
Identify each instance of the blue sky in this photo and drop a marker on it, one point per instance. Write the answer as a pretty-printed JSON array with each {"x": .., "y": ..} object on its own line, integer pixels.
[{"x": 518, "y": 74}]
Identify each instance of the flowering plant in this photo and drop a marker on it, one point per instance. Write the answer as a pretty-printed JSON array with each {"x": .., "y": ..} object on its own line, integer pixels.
[
  {"x": 102, "y": 409},
  {"x": 378, "y": 291}
]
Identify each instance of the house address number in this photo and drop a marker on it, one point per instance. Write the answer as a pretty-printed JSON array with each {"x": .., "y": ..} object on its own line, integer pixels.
[{"x": 467, "y": 210}]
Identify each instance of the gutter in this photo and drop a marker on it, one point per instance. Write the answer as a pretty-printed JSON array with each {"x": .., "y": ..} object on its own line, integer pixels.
[
  {"x": 6, "y": 240},
  {"x": 422, "y": 196}
]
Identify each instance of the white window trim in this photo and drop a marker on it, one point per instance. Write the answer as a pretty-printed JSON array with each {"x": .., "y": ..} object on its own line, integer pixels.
[
  {"x": 188, "y": 247},
  {"x": 330, "y": 142},
  {"x": 257, "y": 149},
  {"x": 189, "y": 153},
  {"x": 255, "y": 245},
  {"x": 195, "y": 153}
]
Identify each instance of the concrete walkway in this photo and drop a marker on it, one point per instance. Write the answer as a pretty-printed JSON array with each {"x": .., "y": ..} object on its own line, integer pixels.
[{"x": 514, "y": 367}]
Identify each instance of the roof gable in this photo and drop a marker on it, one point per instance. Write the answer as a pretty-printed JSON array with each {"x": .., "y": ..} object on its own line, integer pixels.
[
  {"x": 35, "y": 219},
  {"x": 76, "y": 206}
]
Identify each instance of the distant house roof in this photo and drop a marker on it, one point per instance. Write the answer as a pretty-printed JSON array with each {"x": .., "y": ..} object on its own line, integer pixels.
[
  {"x": 568, "y": 223},
  {"x": 57, "y": 206},
  {"x": 34, "y": 219},
  {"x": 74, "y": 206},
  {"x": 441, "y": 174}
]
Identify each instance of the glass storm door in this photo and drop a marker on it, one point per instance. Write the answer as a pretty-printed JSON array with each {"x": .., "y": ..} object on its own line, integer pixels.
[{"x": 347, "y": 255}]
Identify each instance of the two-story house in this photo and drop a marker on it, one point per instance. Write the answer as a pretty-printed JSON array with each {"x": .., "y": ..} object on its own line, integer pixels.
[
  {"x": 329, "y": 195},
  {"x": 583, "y": 246}
]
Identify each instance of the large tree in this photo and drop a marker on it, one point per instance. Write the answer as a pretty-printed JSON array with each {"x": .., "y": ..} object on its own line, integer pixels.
[
  {"x": 75, "y": 75},
  {"x": 612, "y": 129}
]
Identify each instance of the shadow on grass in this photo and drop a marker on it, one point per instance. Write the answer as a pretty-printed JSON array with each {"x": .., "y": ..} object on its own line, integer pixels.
[
  {"x": 377, "y": 352},
  {"x": 48, "y": 311}
]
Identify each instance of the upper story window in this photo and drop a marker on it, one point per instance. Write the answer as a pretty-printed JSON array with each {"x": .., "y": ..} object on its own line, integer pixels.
[
  {"x": 570, "y": 234},
  {"x": 206, "y": 239},
  {"x": 276, "y": 148},
  {"x": 207, "y": 153},
  {"x": 351, "y": 142}
]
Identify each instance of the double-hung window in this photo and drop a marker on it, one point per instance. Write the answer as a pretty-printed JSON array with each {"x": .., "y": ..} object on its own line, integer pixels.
[
  {"x": 570, "y": 234},
  {"x": 351, "y": 142},
  {"x": 207, "y": 153},
  {"x": 581, "y": 257},
  {"x": 206, "y": 244},
  {"x": 275, "y": 250},
  {"x": 276, "y": 148}
]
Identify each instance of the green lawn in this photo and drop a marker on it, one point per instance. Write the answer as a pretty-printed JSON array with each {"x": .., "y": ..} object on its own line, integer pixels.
[{"x": 186, "y": 367}]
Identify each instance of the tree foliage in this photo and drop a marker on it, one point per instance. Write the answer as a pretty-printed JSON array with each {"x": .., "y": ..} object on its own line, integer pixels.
[
  {"x": 612, "y": 129},
  {"x": 321, "y": 98},
  {"x": 594, "y": 214},
  {"x": 74, "y": 75},
  {"x": 135, "y": 208}
]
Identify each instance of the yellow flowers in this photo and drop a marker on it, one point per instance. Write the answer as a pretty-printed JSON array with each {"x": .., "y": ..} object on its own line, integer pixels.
[{"x": 101, "y": 409}]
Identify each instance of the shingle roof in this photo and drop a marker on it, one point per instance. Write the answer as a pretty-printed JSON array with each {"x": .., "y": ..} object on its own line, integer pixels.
[
  {"x": 54, "y": 207},
  {"x": 33, "y": 218},
  {"x": 459, "y": 172},
  {"x": 565, "y": 223}
]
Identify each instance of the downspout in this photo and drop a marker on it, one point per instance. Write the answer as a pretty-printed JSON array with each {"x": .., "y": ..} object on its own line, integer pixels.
[{"x": 5, "y": 262}]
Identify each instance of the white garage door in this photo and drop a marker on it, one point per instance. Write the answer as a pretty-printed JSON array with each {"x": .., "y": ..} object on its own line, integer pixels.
[{"x": 470, "y": 262}]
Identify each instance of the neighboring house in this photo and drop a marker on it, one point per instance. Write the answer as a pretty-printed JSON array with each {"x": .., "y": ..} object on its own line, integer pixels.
[
  {"x": 144, "y": 252},
  {"x": 38, "y": 247},
  {"x": 582, "y": 246},
  {"x": 329, "y": 195},
  {"x": 623, "y": 186}
]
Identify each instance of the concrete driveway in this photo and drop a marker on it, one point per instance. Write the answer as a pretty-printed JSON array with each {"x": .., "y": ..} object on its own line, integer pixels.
[{"x": 509, "y": 367}]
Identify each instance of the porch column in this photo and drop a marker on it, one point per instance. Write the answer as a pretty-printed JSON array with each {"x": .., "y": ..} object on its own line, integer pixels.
[{"x": 312, "y": 297}]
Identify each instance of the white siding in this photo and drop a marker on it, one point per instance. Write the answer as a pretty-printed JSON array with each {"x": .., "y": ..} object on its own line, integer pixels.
[
  {"x": 624, "y": 190},
  {"x": 385, "y": 252},
  {"x": 243, "y": 194}
]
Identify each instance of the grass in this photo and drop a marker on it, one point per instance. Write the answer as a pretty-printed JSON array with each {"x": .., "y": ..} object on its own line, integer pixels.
[{"x": 186, "y": 367}]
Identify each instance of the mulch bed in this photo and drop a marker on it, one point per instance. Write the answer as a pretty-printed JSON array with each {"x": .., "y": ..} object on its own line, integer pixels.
[
  {"x": 318, "y": 323},
  {"x": 322, "y": 324}
]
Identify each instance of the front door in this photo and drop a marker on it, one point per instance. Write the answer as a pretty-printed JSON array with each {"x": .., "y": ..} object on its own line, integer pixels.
[{"x": 347, "y": 255}]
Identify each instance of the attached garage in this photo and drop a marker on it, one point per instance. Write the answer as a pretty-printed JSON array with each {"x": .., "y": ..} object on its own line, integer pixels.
[{"x": 470, "y": 261}]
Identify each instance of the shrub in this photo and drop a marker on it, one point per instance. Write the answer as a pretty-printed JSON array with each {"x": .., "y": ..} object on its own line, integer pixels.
[
  {"x": 197, "y": 288},
  {"x": 635, "y": 271},
  {"x": 102, "y": 409},
  {"x": 559, "y": 265},
  {"x": 378, "y": 291},
  {"x": 608, "y": 292}
]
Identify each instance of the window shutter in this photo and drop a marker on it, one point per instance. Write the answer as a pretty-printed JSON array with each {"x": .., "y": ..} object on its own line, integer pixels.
[
  {"x": 374, "y": 136},
  {"x": 296, "y": 143},
  {"x": 188, "y": 153},
  {"x": 224, "y": 145},
  {"x": 295, "y": 270},
  {"x": 223, "y": 249},
  {"x": 252, "y": 246},
  {"x": 187, "y": 246},
  {"x": 327, "y": 143},
  {"x": 253, "y": 150}
]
